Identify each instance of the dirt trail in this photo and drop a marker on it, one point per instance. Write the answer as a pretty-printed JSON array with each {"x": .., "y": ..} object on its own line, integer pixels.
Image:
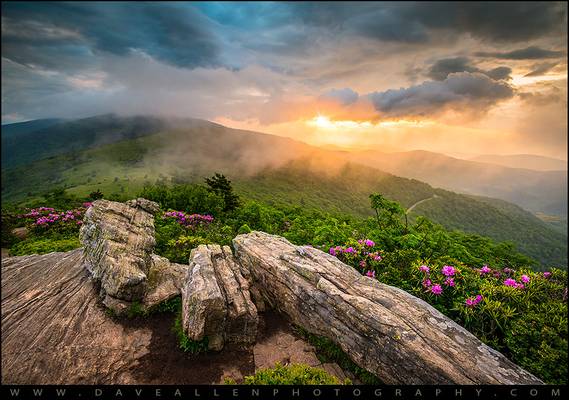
[{"x": 420, "y": 202}]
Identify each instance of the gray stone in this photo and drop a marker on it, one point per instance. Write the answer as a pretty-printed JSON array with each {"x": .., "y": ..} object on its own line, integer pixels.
[
  {"x": 215, "y": 299},
  {"x": 118, "y": 242},
  {"x": 392, "y": 334}
]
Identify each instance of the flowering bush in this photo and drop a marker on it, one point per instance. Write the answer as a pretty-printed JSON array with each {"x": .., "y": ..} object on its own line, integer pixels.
[
  {"x": 361, "y": 254},
  {"x": 189, "y": 220},
  {"x": 492, "y": 302},
  {"x": 43, "y": 220}
]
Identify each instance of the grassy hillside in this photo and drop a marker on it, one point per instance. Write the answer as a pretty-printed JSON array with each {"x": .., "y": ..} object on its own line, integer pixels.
[
  {"x": 51, "y": 137},
  {"x": 274, "y": 170}
]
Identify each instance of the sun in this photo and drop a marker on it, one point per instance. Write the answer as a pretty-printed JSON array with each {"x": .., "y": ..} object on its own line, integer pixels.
[{"x": 322, "y": 121}]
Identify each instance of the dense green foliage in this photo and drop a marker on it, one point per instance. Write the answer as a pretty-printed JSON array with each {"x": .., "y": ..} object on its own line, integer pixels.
[
  {"x": 491, "y": 290},
  {"x": 315, "y": 179},
  {"x": 293, "y": 374}
]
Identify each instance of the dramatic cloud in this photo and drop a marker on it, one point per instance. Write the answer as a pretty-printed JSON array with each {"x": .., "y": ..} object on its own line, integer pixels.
[
  {"x": 442, "y": 68},
  {"x": 415, "y": 22},
  {"x": 457, "y": 91},
  {"x": 541, "y": 69},
  {"x": 49, "y": 34},
  {"x": 269, "y": 64},
  {"x": 529, "y": 53}
]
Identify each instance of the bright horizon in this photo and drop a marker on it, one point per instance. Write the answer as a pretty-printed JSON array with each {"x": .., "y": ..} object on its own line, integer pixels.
[{"x": 386, "y": 76}]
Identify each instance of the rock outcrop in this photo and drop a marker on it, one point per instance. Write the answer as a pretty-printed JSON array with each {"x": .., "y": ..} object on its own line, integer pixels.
[
  {"x": 53, "y": 329},
  {"x": 53, "y": 325},
  {"x": 118, "y": 241},
  {"x": 215, "y": 299},
  {"x": 396, "y": 336}
]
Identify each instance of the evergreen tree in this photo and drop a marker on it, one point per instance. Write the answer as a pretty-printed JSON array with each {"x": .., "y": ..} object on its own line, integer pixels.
[{"x": 219, "y": 184}]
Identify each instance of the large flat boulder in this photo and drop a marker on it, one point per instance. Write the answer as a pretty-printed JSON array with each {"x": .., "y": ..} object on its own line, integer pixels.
[{"x": 396, "y": 336}]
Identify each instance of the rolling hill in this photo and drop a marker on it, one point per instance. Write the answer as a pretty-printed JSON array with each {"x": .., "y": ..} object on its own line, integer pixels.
[
  {"x": 116, "y": 157},
  {"x": 536, "y": 191},
  {"x": 526, "y": 161}
]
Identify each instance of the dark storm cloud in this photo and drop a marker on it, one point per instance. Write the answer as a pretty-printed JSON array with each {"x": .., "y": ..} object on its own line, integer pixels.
[
  {"x": 529, "y": 53},
  {"x": 495, "y": 21},
  {"x": 459, "y": 90},
  {"x": 499, "y": 73},
  {"x": 442, "y": 68},
  {"x": 414, "y": 22},
  {"x": 47, "y": 34}
]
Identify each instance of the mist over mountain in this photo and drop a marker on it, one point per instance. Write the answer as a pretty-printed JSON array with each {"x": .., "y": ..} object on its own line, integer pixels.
[
  {"x": 121, "y": 154},
  {"x": 526, "y": 161},
  {"x": 536, "y": 191}
]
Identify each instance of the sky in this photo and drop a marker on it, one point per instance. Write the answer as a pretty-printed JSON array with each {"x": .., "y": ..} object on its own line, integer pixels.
[{"x": 458, "y": 78}]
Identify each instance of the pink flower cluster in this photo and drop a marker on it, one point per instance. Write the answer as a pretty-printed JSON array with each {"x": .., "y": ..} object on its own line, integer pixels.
[
  {"x": 189, "y": 220},
  {"x": 36, "y": 212},
  {"x": 473, "y": 301},
  {"x": 47, "y": 216},
  {"x": 370, "y": 274},
  {"x": 51, "y": 218},
  {"x": 512, "y": 282},
  {"x": 448, "y": 270},
  {"x": 437, "y": 290},
  {"x": 485, "y": 270},
  {"x": 339, "y": 250}
]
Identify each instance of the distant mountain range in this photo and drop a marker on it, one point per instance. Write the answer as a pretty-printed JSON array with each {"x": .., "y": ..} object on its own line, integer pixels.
[
  {"x": 537, "y": 191},
  {"x": 525, "y": 161},
  {"x": 120, "y": 154}
]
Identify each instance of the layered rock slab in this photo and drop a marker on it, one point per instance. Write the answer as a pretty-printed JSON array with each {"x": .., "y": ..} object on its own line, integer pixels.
[
  {"x": 216, "y": 303},
  {"x": 399, "y": 338},
  {"x": 54, "y": 330},
  {"x": 118, "y": 240}
]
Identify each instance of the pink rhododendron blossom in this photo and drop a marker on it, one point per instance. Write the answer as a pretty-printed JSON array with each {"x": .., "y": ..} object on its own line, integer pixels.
[
  {"x": 471, "y": 302},
  {"x": 370, "y": 274},
  {"x": 448, "y": 270},
  {"x": 525, "y": 279},
  {"x": 484, "y": 270},
  {"x": 449, "y": 282},
  {"x": 436, "y": 290},
  {"x": 427, "y": 283},
  {"x": 424, "y": 268},
  {"x": 369, "y": 243},
  {"x": 546, "y": 274},
  {"x": 510, "y": 282}
]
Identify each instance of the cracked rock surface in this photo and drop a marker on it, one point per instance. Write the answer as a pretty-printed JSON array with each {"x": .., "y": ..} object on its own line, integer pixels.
[{"x": 396, "y": 336}]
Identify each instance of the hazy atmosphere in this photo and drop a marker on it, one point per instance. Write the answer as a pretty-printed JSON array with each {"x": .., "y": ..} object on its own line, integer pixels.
[
  {"x": 458, "y": 78},
  {"x": 284, "y": 193}
]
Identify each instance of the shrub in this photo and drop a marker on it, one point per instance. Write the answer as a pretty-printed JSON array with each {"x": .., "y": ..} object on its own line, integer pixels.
[
  {"x": 44, "y": 245},
  {"x": 293, "y": 374},
  {"x": 184, "y": 342}
]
